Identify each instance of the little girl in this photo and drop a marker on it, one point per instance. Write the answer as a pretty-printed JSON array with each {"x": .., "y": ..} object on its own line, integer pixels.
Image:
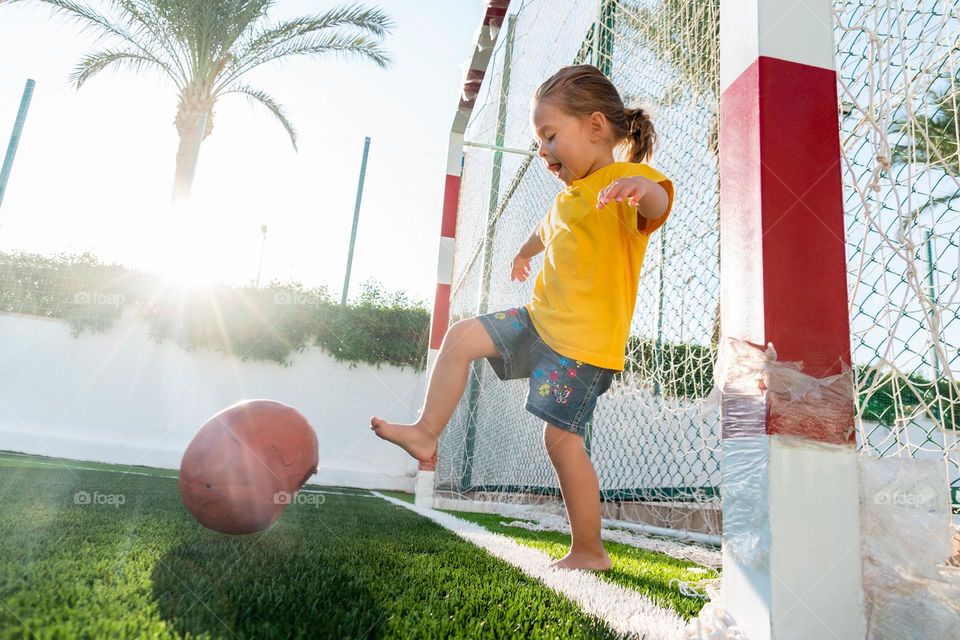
[{"x": 570, "y": 339}]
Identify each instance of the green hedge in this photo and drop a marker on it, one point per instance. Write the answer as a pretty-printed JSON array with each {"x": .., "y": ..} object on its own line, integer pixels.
[
  {"x": 77, "y": 288},
  {"x": 893, "y": 391},
  {"x": 252, "y": 323},
  {"x": 677, "y": 370}
]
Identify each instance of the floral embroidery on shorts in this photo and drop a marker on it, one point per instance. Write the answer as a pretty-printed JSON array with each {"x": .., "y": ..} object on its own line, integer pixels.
[
  {"x": 551, "y": 383},
  {"x": 510, "y": 314}
]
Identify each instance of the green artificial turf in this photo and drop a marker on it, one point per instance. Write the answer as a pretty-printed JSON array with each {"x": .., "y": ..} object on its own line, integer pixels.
[
  {"x": 645, "y": 571},
  {"x": 343, "y": 567}
]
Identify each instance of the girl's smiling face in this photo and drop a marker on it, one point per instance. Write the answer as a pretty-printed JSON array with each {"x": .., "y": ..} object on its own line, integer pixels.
[{"x": 571, "y": 146}]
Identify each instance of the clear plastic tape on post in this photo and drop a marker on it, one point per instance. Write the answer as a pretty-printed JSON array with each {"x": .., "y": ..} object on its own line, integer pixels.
[
  {"x": 760, "y": 396},
  {"x": 746, "y": 513},
  {"x": 793, "y": 403},
  {"x": 738, "y": 394},
  {"x": 906, "y": 533},
  {"x": 820, "y": 409},
  {"x": 905, "y": 504}
]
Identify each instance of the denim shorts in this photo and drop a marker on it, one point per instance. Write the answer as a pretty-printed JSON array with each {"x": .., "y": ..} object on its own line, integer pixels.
[{"x": 562, "y": 391}]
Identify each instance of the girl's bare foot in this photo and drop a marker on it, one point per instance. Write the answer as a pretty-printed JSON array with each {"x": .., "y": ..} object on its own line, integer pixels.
[
  {"x": 580, "y": 560},
  {"x": 415, "y": 439}
]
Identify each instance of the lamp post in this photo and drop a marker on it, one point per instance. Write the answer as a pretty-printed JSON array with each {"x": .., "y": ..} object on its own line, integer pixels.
[
  {"x": 263, "y": 244},
  {"x": 356, "y": 218},
  {"x": 15, "y": 136}
]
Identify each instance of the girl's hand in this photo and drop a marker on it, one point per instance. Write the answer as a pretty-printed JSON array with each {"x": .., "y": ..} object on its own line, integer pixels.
[
  {"x": 631, "y": 189},
  {"x": 521, "y": 268}
]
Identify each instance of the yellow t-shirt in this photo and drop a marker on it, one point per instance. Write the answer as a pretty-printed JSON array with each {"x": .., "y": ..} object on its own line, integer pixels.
[{"x": 584, "y": 297}]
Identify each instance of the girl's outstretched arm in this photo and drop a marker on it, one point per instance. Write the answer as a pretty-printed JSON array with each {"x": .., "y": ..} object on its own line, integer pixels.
[
  {"x": 520, "y": 269},
  {"x": 647, "y": 196},
  {"x": 532, "y": 246}
]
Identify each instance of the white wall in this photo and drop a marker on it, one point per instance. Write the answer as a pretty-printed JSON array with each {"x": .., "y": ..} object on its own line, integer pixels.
[{"x": 119, "y": 397}]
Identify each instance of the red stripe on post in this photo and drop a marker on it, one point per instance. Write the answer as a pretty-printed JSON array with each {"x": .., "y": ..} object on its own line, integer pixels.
[
  {"x": 471, "y": 88},
  {"x": 804, "y": 247},
  {"x": 451, "y": 198},
  {"x": 782, "y": 232},
  {"x": 441, "y": 315},
  {"x": 496, "y": 10}
]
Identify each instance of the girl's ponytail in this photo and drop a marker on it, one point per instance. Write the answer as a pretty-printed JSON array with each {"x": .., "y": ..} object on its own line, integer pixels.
[
  {"x": 641, "y": 135},
  {"x": 583, "y": 89}
]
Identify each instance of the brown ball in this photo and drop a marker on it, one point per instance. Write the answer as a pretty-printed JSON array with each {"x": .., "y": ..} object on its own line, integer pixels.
[{"x": 245, "y": 464}]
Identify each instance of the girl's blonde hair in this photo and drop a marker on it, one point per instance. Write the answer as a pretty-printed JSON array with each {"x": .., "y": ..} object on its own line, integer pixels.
[{"x": 582, "y": 89}]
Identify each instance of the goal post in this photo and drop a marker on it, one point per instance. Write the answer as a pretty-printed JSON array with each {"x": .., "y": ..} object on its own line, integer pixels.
[
  {"x": 790, "y": 476},
  {"x": 486, "y": 37}
]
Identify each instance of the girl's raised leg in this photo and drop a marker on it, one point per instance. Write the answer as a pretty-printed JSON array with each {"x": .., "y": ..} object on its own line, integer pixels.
[{"x": 464, "y": 342}]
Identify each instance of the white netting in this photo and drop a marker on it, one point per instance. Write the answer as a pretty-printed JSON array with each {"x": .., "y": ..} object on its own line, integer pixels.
[{"x": 899, "y": 87}]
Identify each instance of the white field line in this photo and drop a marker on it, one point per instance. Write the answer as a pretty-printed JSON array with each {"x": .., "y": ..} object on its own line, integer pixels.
[
  {"x": 74, "y": 467},
  {"x": 624, "y": 610}
]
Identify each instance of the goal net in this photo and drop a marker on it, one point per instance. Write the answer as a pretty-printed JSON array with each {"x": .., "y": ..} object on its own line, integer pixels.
[{"x": 655, "y": 435}]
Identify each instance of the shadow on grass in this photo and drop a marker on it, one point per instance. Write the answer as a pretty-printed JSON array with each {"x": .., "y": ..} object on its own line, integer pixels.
[{"x": 276, "y": 584}]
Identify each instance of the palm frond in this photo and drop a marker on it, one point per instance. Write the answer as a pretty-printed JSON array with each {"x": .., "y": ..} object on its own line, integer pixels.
[
  {"x": 144, "y": 16},
  {"x": 373, "y": 21},
  {"x": 332, "y": 42},
  {"x": 259, "y": 48},
  {"x": 256, "y": 95},
  {"x": 337, "y": 43},
  {"x": 103, "y": 27},
  {"x": 93, "y": 63},
  {"x": 206, "y": 32},
  {"x": 88, "y": 19}
]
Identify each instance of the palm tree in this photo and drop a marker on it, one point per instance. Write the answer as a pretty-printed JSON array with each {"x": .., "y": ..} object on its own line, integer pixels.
[{"x": 206, "y": 47}]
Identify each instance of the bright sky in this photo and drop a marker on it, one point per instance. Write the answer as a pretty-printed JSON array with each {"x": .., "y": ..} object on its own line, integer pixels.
[{"x": 94, "y": 170}]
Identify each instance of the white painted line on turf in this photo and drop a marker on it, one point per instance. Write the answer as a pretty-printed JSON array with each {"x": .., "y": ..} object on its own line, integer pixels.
[{"x": 624, "y": 610}]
